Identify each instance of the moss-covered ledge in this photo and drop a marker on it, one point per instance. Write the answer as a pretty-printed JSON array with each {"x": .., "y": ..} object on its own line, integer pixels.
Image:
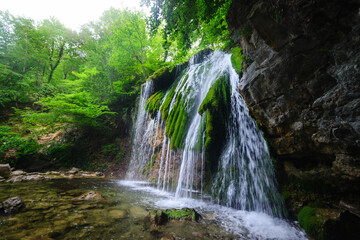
[
  {"x": 216, "y": 105},
  {"x": 153, "y": 104}
]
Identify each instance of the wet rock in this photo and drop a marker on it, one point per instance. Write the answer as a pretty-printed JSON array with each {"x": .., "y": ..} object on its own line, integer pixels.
[
  {"x": 41, "y": 238},
  {"x": 117, "y": 214},
  {"x": 168, "y": 237},
  {"x": 160, "y": 217},
  {"x": 5, "y": 170},
  {"x": 74, "y": 170},
  {"x": 90, "y": 196},
  {"x": 18, "y": 173},
  {"x": 12, "y": 205},
  {"x": 34, "y": 177},
  {"x": 157, "y": 217}
]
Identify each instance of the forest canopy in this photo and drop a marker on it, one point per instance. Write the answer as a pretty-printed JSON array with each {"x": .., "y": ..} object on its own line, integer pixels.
[{"x": 53, "y": 78}]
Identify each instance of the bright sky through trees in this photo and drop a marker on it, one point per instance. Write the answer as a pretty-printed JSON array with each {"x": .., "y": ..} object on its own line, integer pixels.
[{"x": 72, "y": 13}]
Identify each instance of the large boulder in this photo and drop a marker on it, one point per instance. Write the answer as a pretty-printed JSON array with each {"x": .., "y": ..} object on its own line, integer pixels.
[
  {"x": 12, "y": 205},
  {"x": 5, "y": 170}
]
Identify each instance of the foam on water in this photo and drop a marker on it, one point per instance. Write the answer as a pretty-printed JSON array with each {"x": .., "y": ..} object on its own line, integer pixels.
[{"x": 244, "y": 224}]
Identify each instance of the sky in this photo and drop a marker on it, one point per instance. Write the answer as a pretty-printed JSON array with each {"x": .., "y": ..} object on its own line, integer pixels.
[{"x": 72, "y": 13}]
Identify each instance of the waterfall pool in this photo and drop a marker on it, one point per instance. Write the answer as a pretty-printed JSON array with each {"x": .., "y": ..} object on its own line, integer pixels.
[{"x": 52, "y": 212}]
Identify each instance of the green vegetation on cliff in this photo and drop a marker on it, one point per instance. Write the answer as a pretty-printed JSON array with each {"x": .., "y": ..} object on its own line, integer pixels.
[
  {"x": 237, "y": 58},
  {"x": 216, "y": 106},
  {"x": 309, "y": 220},
  {"x": 153, "y": 103}
]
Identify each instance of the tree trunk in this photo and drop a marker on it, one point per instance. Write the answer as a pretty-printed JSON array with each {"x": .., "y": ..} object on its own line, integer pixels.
[
  {"x": 53, "y": 67},
  {"x": 43, "y": 74}
]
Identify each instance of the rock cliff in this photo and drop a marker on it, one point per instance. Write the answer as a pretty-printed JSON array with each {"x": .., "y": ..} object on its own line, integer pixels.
[{"x": 302, "y": 85}]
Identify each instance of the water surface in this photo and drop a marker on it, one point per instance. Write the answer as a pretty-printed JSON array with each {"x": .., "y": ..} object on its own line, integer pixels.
[{"x": 53, "y": 211}]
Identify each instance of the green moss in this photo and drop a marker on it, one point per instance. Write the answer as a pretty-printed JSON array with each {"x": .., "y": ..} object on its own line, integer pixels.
[
  {"x": 236, "y": 59},
  {"x": 157, "y": 74},
  {"x": 178, "y": 213},
  {"x": 163, "y": 78},
  {"x": 311, "y": 223},
  {"x": 153, "y": 103},
  {"x": 216, "y": 105}
]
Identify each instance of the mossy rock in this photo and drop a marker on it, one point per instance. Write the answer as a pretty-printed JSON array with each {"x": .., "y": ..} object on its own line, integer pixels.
[
  {"x": 160, "y": 217},
  {"x": 176, "y": 119},
  {"x": 310, "y": 222},
  {"x": 236, "y": 59},
  {"x": 163, "y": 78},
  {"x": 216, "y": 105},
  {"x": 153, "y": 103}
]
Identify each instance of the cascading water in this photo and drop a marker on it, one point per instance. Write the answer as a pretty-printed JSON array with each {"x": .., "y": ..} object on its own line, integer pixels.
[
  {"x": 141, "y": 149},
  {"x": 171, "y": 145},
  {"x": 245, "y": 178}
]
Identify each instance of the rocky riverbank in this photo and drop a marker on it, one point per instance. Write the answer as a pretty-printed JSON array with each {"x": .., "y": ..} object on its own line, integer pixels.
[{"x": 7, "y": 175}]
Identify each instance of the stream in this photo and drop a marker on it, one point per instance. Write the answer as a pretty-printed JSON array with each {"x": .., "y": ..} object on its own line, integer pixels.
[{"x": 53, "y": 212}]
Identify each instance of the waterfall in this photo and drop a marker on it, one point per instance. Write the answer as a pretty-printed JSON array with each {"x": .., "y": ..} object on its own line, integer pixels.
[
  {"x": 141, "y": 149},
  {"x": 170, "y": 148}
]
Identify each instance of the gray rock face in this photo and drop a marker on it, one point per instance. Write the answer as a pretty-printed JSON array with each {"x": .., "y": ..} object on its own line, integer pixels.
[
  {"x": 5, "y": 170},
  {"x": 303, "y": 87},
  {"x": 12, "y": 205}
]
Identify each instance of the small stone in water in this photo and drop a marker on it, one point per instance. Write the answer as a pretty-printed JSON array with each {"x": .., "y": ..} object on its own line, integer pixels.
[
  {"x": 168, "y": 237},
  {"x": 117, "y": 214},
  {"x": 91, "y": 196}
]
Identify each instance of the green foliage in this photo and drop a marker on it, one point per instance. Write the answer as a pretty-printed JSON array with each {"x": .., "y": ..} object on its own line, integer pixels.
[
  {"x": 12, "y": 140},
  {"x": 65, "y": 109},
  {"x": 109, "y": 148},
  {"x": 120, "y": 156},
  {"x": 237, "y": 58},
  {"x": 61, "y": 153},
  {"x": 187, "y": 22},
  {"x": 153, "y": 103},
  {"x": 310, "y": 221}
]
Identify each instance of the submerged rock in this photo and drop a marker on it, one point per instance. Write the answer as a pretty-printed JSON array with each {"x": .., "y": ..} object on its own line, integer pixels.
[
  {"x": 137, "y": 212},
  {"x": 117, "y": 214},
  {"x": 160, "y": 217},
  {"x": 90, "y": 196},
  {"x": 5, "y": 170},
  {"x": 168, "y": 237},
  {"x": 12, "y": 205}
]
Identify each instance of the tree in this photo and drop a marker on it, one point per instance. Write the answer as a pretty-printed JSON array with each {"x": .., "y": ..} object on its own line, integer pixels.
[
  {"x": 188, "y": 22},
  {"x": 53, "y": 35}
]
